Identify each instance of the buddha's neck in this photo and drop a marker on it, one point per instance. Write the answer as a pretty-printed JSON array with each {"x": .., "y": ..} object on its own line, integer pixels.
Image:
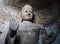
[{"x": 27, "y": 22}]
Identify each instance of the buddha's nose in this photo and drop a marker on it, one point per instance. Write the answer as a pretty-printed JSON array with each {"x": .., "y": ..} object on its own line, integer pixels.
[{"x": 28, "y": 15}]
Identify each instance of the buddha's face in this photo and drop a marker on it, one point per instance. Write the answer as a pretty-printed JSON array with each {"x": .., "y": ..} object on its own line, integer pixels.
[{"x": 27, "y": 13}]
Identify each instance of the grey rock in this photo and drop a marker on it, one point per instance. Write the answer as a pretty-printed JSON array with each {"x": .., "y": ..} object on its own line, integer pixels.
[{"x": 4, "y": 30}]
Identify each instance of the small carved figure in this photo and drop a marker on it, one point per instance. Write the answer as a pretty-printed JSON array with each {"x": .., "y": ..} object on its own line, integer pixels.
[{"x": 29, "y": 32}]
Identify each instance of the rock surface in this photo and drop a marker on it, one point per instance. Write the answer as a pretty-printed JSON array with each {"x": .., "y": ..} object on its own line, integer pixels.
[
  {"x": 13, "y": 7},
  {"x": 4, "y": 28}
]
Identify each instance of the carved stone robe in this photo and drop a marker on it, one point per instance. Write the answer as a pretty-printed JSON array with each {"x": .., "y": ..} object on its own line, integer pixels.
[{"x": 29, "y": 33}]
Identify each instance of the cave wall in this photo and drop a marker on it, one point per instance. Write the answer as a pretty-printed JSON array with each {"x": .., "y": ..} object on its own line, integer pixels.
[
  {"x": 37, "y": 4},
  {"x": 44, "y": 6},
  {"x": 16, "y": 6}
]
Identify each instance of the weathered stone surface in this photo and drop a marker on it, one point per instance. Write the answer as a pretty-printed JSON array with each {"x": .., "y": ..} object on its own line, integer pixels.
[
  {"x": 13, "y": 8},
  {"x": 48, "y": 15},
  {"x": 4, "y": 28},
  {"x": 28, "y": 33},
  {"x": 20, "y": 3}
]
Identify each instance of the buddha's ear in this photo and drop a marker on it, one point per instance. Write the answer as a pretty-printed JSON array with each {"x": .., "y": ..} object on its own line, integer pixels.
[
  {"x": 36, "y": 18},
  {"x": 33, "y": 19}
]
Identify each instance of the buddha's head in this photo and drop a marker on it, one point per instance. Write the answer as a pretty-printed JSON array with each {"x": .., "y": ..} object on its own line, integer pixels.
[{"x": 27, "y": 12}]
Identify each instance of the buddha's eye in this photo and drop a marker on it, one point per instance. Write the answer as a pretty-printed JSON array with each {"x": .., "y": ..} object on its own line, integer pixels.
[{"x": 31, "y": 12}]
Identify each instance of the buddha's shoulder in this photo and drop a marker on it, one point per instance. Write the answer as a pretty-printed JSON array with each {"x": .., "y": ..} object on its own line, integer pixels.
[{"x": 29, "y": 26}]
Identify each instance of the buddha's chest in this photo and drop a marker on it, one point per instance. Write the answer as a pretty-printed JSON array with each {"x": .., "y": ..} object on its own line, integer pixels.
[
  {"x": 28, "y": 34},
  {"x": 28, "y": 37}
]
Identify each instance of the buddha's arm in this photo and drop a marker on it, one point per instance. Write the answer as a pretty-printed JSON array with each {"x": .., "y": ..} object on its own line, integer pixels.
[{"x": 13, "y": 26}]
